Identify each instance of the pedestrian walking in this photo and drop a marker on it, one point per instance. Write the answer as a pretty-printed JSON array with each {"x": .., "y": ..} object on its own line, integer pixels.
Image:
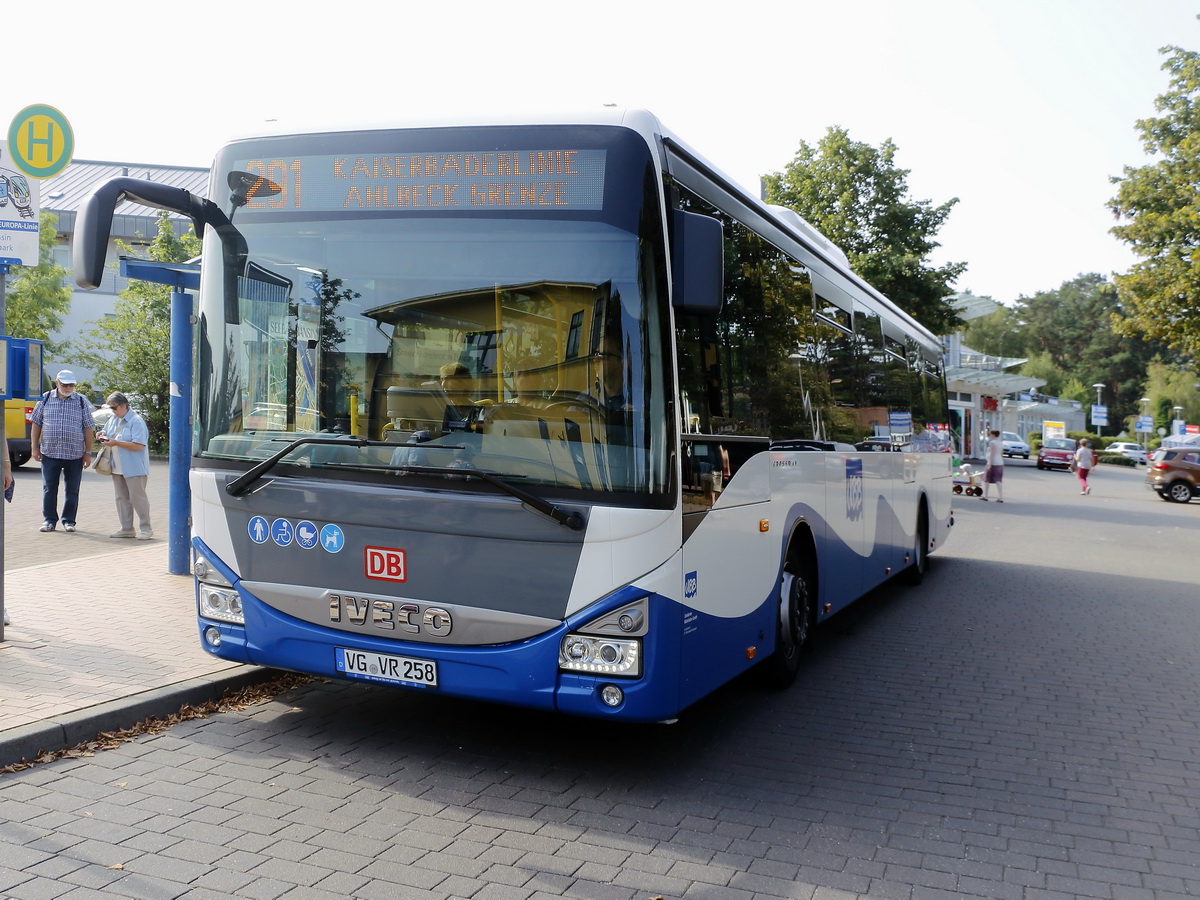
[
  {"x": 994, "y": 473},
  {"x": 1085, "y": 461},
  {"x": 129, "y": 439},
  {"x": 60, "y": 436}
]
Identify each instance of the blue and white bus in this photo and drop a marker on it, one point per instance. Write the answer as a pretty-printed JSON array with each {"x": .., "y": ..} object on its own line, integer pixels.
[{"x": 543, "y": 413}]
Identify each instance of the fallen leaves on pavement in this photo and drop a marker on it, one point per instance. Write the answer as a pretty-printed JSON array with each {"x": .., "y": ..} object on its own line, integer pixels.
[{"x": 229, "y": 701}]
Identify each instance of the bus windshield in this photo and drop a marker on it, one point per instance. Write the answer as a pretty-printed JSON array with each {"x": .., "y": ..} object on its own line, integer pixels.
[{"x": 520, "y": 333}]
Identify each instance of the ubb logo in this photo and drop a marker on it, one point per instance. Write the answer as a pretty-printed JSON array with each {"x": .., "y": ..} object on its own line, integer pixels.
[
  {"x": 691, "y": 585},
  {"x": 854, "y": 489}
]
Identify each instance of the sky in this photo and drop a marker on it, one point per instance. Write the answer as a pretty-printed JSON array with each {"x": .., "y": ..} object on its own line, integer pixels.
[{"x": 1022, "y": 109}]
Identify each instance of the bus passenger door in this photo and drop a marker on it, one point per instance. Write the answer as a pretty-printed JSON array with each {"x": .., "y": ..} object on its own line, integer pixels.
[{"x": 710, "y": 466}]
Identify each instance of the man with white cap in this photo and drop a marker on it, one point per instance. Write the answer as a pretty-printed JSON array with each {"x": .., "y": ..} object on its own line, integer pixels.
[{"x": 60, "y": 434}]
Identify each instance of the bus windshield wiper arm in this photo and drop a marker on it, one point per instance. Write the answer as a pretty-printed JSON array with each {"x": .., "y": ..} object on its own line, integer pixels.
[
  {"x": 243, "y": 482},
  {"x": 572, "y": 520},
  {"x": 246, "y": 480}
]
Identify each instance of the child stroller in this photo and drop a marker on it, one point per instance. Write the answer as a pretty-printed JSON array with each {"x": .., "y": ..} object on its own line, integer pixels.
[{"x": 967, "y": 481}]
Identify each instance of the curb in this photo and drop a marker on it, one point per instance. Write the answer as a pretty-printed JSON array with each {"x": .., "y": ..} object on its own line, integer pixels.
[{"x": 26, "y": 741}]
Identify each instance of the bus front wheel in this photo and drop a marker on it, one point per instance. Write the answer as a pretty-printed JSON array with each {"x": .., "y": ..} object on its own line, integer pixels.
[
  {"x": 919, "y": 561},
  {"x": 794, "y": 625}
]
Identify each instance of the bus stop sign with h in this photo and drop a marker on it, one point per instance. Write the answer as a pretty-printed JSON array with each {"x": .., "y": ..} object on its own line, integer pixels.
[{"x": 40, "y": 145}]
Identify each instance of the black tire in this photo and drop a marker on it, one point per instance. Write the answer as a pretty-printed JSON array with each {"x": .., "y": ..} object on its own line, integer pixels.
[
  {"x": 1040, "y": 466},
  {"x": 793, "y": 626},
  {"x": 1179, "y": 492},
  {"x": 18, "y": 459},
  {"x": 919, "y": 561}
]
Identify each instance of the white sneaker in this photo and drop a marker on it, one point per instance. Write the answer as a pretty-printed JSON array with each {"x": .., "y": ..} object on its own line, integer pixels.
[
  {"x": 122, "y": 534},
  {"x": 145, "y": 535}
]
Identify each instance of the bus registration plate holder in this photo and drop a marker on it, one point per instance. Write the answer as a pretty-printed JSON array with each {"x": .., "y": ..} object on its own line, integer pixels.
[{"x": 385, "y": 667}]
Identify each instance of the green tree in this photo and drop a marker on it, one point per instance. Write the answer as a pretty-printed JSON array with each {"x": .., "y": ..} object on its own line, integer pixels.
[
  {"x": 856, "y": 196},
  {"x": 1173, "y": 385},
  {"x": 1071, "y": 328},
  {"x": 130, "y": 350},
  {"x": 39, "y": 296},
  {"x": 1157, "y": 204},
  {"x": 1000, "y": 333},
  {"x": 1040, "y": 365}
]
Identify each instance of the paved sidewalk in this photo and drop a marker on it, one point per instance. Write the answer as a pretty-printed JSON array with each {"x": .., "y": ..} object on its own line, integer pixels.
[{"x": 99, "y": 643}]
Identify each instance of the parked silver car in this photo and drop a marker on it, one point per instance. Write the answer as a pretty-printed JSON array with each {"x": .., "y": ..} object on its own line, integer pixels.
[{"x": 1013, "y": 445}]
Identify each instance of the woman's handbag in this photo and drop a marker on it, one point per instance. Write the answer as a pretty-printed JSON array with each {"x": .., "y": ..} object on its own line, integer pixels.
[{"x": 102, "y": 464}]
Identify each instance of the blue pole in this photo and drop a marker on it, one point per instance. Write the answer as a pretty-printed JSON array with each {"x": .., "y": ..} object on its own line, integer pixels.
[{"x": 180, "y": 447}]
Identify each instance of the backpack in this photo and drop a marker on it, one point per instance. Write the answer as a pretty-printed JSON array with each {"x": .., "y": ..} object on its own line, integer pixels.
[
  {"x": 79, "y": 397},
  {"x": 83, "y": 404}
]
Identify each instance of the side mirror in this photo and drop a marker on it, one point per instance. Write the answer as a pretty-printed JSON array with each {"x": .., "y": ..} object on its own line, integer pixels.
[
  {"x": 697, "y": 263},
  {"x": 94, "y": 222}
]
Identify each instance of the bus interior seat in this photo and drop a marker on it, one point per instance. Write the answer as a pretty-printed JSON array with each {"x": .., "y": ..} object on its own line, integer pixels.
[{"x": 417, "y": 408}]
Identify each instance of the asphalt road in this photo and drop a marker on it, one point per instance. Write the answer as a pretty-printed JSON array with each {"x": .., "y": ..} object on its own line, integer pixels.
[{"x": 1024, "y": 725}]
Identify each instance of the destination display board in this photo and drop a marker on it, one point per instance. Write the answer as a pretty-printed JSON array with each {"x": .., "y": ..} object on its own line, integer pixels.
[{"x": 555, "y": 178}]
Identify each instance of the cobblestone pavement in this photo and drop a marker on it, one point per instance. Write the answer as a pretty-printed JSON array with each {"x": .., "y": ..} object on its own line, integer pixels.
[
  {"x": 101, "y": 635},
  {"x": 1025, "y": 725}
]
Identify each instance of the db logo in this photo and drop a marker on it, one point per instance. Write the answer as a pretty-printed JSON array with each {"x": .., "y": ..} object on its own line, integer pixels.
[{"x": 385, "y": 564}]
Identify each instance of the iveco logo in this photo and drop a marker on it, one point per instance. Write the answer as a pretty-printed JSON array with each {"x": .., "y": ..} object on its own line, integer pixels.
[{"x": 390, "y": 615}]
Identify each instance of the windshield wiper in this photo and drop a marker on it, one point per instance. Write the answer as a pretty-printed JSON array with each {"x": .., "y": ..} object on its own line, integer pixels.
[
  {"x": 243, "y": 482},
  {"x": 569, "y": 518},
  {"x": 246, "y": 480}
]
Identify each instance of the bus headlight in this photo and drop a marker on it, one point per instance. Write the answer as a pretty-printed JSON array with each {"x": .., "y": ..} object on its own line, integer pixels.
[
  {"x": 219, "y": 599},
  {"x": 600, "y": 655},
  {"x": 222, "y": 604}
]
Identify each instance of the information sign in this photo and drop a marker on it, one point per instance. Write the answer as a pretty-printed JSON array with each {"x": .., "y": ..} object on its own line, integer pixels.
[
  {"x": 22, "y": 368},
  {"x": 1099, "y": 415},
  {"x": 20, "y": 205},
  {"x": 900, "y": 422}
]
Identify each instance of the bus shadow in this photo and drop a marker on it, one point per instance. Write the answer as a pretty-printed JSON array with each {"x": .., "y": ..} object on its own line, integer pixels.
[
  {"x": 448, "y": 734},
  {"x": 903, "y": 677}
]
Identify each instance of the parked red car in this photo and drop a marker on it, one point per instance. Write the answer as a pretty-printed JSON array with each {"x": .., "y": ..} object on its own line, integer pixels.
[{"x": 1056, "y": 453}]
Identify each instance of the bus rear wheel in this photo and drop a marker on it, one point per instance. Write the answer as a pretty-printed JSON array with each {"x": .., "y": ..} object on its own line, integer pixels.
[{"x": 793, "y": 626}]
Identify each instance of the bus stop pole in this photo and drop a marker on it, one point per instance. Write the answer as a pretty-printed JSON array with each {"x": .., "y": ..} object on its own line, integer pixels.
[{"x": 180, "y": 441}]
